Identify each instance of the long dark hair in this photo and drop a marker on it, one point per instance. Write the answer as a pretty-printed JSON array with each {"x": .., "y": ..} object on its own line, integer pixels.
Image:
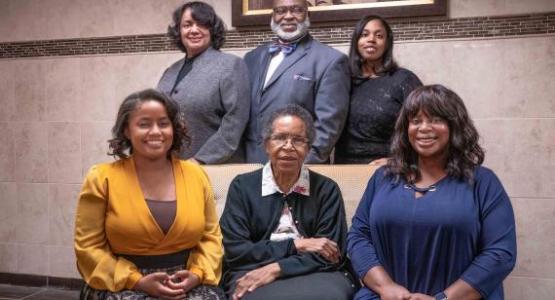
[
  {"x": 205, "y": 15},
  {"x": 463, "y": 152},
  {"x": 356, "y": 61},
  {"x": 119, "y": 143}
]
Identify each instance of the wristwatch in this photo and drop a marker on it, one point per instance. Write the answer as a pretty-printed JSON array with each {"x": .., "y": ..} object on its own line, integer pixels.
[{"x": 441, "y": 296}]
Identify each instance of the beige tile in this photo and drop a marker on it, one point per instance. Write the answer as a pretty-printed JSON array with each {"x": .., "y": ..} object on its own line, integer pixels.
[
  {"x": 6, "y": 21},
  {"x": 62, "y": 89},
  {"x": 97, "y": 101},
  {"x": 472, "y": 8},
  {"x": 62, "y": 204},
  {"x": 29, "y": 89},
  {"x": 7, "y": 89},
  {"x": 27, "y": 21},
  {"x": 31, "y": 153},
  {"x": 139, "y": 72},
  {"x": 32, "y": 259},
  {"x": 8, "y": 211},
  {"x": 223, "y": 9},
  {"x": 526, "y": 81},
  {"x": 496, "y": 78},
  {"x": 519, "y": 288},
  {"x": 8, "y": 258},
  {"x": 7, "y": 152},
  {"x": 97, "y": 18},
  {"x": 62, "y": 18},
  {"x": 62, "y": 262},
  {"x": 95, "y": 144},
  {"x": 520, "y": 149},
  {"x": 64, "y": 152},
  {"x": 535, "y": 221},
  {"x": 154, "y": 16},
  {"x": 32, "y": 213}
]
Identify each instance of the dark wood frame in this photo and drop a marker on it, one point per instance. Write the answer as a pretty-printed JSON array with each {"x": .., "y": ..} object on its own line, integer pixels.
[{"x": 242, "y": 18}]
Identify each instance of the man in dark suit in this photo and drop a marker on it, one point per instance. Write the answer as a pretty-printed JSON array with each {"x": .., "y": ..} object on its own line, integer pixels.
[{"x": 295, "y": 68}]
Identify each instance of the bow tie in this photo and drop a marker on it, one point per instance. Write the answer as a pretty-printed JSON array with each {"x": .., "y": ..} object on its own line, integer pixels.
[{"x": 285, "y": 48}]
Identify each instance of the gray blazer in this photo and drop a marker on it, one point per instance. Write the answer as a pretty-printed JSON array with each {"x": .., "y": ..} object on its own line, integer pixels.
[
  {"x": 316, "y": 77},
  {"x": 215, "y": 99}
]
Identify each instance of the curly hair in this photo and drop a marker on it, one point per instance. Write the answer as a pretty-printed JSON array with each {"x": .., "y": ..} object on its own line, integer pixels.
[
  {"x": 463, "y": 153},
  {"x": 204, "y": 15},
  {"x": 293, "y": 110},
  {"x": 120, "y": 144},
  {"x": 355, "y": 60}
]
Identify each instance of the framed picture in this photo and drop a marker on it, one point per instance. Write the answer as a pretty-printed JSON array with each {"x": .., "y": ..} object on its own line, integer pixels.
[{"x": 257, "y": 12}]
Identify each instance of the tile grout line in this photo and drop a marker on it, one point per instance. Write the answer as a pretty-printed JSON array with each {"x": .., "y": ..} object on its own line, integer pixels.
[{"x": 35, "y": 293}]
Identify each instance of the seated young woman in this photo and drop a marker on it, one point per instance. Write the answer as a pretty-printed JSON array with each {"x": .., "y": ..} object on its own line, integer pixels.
[{"x": 146, "y": 224}]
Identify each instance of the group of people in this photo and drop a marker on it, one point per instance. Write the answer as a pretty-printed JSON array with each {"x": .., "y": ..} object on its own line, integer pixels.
[{"x": 432, "y": 224}]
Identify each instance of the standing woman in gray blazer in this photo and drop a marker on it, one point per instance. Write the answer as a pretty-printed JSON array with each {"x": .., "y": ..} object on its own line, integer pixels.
[{"x": 212, "y": 87}]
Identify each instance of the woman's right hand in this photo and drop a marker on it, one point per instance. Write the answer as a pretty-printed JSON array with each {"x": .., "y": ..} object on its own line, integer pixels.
[
  {"x": 155, "y": 284},
  {"x": 394, "y": 291},
  {"x": 323, "y": 246}
]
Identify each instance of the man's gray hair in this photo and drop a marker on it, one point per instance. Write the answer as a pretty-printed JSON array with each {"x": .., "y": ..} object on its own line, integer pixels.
[{"x": 293, "y": 110}]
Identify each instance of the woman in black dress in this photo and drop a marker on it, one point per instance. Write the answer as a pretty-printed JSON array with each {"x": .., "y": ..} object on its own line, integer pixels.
[{"x": 378, "y": 91}]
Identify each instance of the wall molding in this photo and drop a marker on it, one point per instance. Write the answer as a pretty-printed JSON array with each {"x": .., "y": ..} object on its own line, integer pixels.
[{"x": 404, "y": 30}]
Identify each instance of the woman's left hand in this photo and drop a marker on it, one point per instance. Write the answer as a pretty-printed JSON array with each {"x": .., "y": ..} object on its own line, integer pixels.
[
  {"x": 255, "y": 279},
  {"x": 183, "y": 279},
  {"x": 418, "y": 296}
]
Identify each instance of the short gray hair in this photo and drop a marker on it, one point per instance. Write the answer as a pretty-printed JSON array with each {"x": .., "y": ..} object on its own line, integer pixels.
[{"x": 293, "y": 110}]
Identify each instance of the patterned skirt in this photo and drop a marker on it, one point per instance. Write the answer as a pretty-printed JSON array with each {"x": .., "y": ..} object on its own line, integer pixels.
[{"x": 201, "y": 292}]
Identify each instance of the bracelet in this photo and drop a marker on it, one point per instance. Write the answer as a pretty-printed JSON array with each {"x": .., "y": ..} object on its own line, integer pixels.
[{"x": 441, "y": 296}]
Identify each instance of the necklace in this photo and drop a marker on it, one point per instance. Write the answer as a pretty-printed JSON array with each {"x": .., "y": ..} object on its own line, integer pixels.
[{"x": 431, "y": 188}]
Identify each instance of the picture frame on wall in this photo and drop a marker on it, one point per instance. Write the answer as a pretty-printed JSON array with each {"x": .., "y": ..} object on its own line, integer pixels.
[{"x": 257, "y": 12}]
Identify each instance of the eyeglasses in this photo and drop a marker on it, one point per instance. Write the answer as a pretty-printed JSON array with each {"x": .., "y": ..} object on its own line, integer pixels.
[
  {"x": 282, "y": 139},
  {"x": 293, "y": 9}
]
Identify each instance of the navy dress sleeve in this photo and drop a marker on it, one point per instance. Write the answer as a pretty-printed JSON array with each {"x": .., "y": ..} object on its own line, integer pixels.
[
  {"x": 497, "y": 242},
  {"x": 359, "y": 241}
]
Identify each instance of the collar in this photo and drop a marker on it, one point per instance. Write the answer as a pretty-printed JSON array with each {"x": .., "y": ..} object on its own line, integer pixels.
[
  {"x": 287, "y": 47},
  {"x": 269, "y": 185}
]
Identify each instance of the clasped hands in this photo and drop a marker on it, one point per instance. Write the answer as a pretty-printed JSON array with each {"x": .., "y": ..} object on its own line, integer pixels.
[
  {"x": 269, "y": 273},
  {"x": 398, "y": 292},
  {"x": 165, "y": 286}
]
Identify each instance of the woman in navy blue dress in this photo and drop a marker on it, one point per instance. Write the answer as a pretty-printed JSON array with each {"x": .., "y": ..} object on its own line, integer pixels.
[{"x": 433, "y": 223}]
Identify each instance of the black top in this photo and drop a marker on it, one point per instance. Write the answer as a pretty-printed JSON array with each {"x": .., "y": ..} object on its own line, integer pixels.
[
  {"x": 185, "y": 69},
  {"x": 249, "y": 219},
  {"x": 375, "y": 105}
]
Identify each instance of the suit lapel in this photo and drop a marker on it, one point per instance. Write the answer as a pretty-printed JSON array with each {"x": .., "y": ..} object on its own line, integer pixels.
[
  {"x": 262, "y": 70},
  {"x": 289, "y": 61}
]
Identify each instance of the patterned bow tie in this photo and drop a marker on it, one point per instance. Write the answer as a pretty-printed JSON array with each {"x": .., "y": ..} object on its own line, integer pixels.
[{"x": 285, "y": 48}]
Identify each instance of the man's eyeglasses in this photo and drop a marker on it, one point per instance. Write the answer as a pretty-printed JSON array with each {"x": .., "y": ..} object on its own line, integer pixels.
[
  {"x": 282, "y": 139},
  {"x": 293, "y": 9}
]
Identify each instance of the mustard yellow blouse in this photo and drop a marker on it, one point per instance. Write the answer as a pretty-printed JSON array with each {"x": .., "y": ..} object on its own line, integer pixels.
[{"x": 113, "y": 217}]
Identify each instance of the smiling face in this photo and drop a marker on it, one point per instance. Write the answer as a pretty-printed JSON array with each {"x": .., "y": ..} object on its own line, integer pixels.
[
  {"x": 150, "y": 130},
  {"x": 372, "y": 42},
  {"x": 287, "y": 157},
  {"x": 194, "y": 36},
  {"x": 429, "y": 136},
  {"x": 290, "y": 19}
]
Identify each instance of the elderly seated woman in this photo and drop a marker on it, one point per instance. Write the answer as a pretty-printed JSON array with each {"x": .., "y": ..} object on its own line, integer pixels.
[{"x": 283, "y": 225}]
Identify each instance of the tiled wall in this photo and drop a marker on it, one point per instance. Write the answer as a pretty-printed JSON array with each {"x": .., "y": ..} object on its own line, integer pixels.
[{"x": 56, "y": 114}]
